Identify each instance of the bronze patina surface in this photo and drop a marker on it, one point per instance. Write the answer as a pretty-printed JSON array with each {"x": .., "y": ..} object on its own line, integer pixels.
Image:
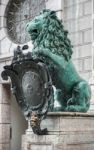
[{"x": 52, "y": 45}]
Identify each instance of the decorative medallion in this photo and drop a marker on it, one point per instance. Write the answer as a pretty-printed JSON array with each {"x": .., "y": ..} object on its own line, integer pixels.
[{"x": 32, "y": 86}]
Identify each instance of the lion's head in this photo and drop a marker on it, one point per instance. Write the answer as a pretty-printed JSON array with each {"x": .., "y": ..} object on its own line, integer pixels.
[{"x": 47, "y": 31}]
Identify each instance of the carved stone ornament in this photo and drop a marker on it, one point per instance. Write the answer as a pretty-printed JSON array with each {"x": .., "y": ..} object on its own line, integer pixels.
[{"x": 31, "y": 85}]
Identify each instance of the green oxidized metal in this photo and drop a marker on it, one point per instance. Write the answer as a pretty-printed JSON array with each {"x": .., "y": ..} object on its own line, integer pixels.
[{"x": 51, "y": 44}]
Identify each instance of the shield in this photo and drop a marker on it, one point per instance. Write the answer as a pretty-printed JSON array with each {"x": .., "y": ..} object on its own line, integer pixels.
[{"x": 31, "y": 84}]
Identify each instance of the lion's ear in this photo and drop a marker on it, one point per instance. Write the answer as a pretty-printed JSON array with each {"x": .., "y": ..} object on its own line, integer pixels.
[{"x": 52, "y": 14}]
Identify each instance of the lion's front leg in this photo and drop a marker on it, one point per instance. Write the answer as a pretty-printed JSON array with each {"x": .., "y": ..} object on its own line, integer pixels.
[
  {"x": 58, "y": 60},
  {"x": 80, "y": 100},
  {"x": 42, "y": 52}
]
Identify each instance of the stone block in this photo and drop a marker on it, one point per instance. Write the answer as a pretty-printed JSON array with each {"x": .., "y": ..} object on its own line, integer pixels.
[
  {"x": 87, "y": 64},
  {"x": 79, "y": 24},
  {"x": 80, "y": 124},
  {"x": 5, "y": 45},
  {"x": 76, "y": 38},
  {"x": 2, "y": 33},
  {"x": 5, "y": 113},
  {"x": 40, "y": 146},
  {"x": 53, "y": 124},
  {"x": 82, "y": 146},
  {"x": 85, "y": 22},
  {"x": 2, "y": 22},
  {"x": 85, "y": 50},
  {"x": 87, "y": 36},
  {"x": 71, "y": 12},
  {"x": 5, "y": 93},
  {"x": 76, "y": 52},
  {"x": 82, "y": 51},
  {"x": 5, "y": 146},
  {"x": 2, "y": 64},
  {"x": 5, "y": 2},
  {"x": 12, "y": 47},
  {"x": 2, "y": 10},
  {"x": 81, "y": 1},
  {"x": 4, "y": 133},
  {"x": 68, "y": 3},
  {"x": 76, "y": 137},
  {"x": 76, "y": 130},
  {"x": 55, "y": 6},
  {"x": 88, "y": 7}
]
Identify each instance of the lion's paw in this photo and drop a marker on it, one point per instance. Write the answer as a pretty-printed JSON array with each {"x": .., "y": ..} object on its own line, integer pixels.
[{"x": 71, "y": 108}]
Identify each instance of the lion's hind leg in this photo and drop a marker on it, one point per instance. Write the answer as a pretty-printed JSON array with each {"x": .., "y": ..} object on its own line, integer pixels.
[{"x": 80, "y": 100}]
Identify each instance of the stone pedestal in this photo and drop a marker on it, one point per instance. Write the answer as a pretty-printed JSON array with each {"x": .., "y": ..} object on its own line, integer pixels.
[{"x": 67, "y": 131}]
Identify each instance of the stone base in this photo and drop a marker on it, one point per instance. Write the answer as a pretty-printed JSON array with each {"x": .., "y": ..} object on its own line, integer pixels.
[{"x": 67, "y": 131}]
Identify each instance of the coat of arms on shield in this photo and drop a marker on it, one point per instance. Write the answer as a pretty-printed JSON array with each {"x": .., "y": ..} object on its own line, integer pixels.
[{"x": 31, "y": 84}]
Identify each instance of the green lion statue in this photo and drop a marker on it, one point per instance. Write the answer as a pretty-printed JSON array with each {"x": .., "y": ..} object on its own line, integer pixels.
[{"x": 51, "y": 45}]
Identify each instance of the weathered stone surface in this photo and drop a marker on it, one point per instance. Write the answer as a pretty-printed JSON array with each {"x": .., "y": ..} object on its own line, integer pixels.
[
  {"x": 80, "y": 24},
  {"x": 4, "y": 113},
  {"x": 87, "y": 64},
  {"x": 40, "y": 146},
  {"x": 87, "y": 36},
  {"x": 70, "y": 12},
  {"x": 5, "y": 2},
  {"x": 76, "y": 132},
  {"x": 5, "y": 146},
  {"x": 2, "y": 10},
  {"x": 76, "y": 38},
  {"x": 1, "y": 69},
  {"x": 82, "y": 51},
  {"x": 53, "y": 123},
  {"x": 56, "y": 6},
  {"x": 4, "y": 133},
  {"x": 5, "y": 45},
  {"x": 85, "y": 50},
  {"x": 12, "y": 47},
  {"x": 5, "y": 93},
  {"x": 88, "y": 7},
  {"x": 2, "y": 34},
  {"x": 69, "y": 3},
  {"x": 2, "y": 22}
]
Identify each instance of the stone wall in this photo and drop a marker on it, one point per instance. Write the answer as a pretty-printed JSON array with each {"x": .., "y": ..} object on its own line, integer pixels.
[
  {"x": 78, "y": 21},
  {"x": 5, "y": 119}
]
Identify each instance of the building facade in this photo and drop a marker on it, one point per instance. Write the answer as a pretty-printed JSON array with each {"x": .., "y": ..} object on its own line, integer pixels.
[{"x": 77, "y": 16}]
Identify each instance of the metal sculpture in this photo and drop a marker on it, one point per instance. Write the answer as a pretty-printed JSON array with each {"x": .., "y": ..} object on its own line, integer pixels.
[
  {"x": 52, "y": 45},
  {"x": 31, "y": 85}
]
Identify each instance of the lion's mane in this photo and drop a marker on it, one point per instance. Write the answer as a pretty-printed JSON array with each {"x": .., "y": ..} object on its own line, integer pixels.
[{"x": 53, "y": 36}]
